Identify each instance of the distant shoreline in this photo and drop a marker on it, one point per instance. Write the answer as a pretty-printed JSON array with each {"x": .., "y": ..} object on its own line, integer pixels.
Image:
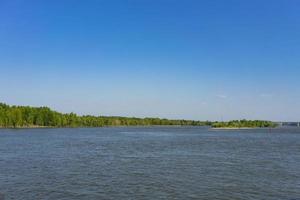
[
  {"x": 44, "y": 117},
  {"x": 241, "y": 128},
  {"x": 27, "y": 127},
  {"x": 56, "y": 127},
  {"x": 148, "y": 126},
  {"x": 237, "y": 128}
]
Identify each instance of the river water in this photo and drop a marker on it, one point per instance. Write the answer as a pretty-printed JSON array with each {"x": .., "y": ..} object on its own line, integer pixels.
[{"x": 150, "y": 163}]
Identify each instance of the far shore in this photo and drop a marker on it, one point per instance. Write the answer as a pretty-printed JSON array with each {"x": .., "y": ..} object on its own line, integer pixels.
[
  {"x": 237, "y": 128},
  {"x": 213, "y": 128},
  {"x": 116, "y": 126},
  {"x": 29, "y": 127}
]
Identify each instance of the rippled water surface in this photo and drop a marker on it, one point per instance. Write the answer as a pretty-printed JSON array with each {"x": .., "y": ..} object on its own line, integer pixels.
[{"x": 150, "y": 163}]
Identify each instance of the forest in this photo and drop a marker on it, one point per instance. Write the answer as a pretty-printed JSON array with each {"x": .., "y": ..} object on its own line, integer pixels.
[
  {"x": 244, "y": 123},
  {"x": 26, "y": 116}
]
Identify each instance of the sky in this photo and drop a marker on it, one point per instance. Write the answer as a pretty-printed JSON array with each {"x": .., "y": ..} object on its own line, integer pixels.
[{"x": 201, "y": 59}]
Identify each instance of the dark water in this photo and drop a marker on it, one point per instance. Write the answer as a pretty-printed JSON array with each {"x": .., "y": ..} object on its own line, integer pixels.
[{"x": 150, "y": 163}]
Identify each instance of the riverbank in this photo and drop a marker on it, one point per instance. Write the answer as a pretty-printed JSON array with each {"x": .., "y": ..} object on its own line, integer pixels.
[
  {"x": 26, "y": 127},
  {"x": 112, "y": 126},
  {"x": 235, "y": 128}
]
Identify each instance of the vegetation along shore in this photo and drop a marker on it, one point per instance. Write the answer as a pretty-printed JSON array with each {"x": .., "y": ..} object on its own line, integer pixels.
[
  {"x": 244, "y": 124},
  {"x": 38, "y": 117}
]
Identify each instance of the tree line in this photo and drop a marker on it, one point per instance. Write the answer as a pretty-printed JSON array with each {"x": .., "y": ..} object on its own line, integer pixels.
[
  {"x": 244, "y": 123},
  {"x": 26, "y": 116}
]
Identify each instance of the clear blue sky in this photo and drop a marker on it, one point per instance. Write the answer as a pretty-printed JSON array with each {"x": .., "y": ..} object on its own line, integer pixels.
[{"x": 203, "y": 60}]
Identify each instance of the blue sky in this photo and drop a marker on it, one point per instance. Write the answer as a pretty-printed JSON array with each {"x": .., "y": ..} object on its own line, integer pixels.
[{"x": 203, "y": 60}]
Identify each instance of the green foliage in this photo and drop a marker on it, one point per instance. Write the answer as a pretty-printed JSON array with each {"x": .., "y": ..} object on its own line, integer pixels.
[
  {"x": 25, "y": 116},
  {"x": 244, "y": 123}
]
